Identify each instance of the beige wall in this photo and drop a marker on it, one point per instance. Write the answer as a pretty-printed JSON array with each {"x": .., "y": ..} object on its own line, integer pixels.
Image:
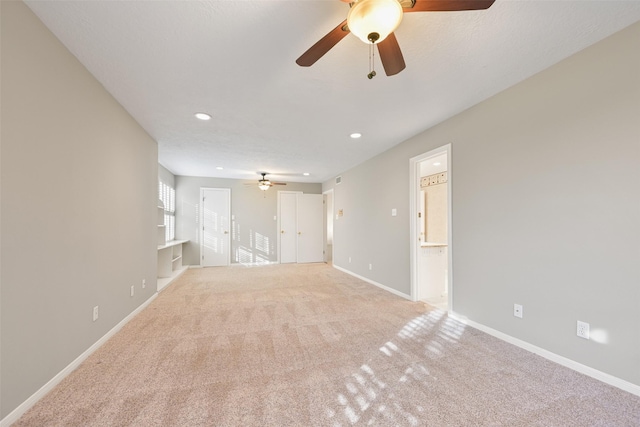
[
  {"x": 546, "y": 210},
  {"x": 78, "y": 215},
  {"x": 166, "y": 176}
]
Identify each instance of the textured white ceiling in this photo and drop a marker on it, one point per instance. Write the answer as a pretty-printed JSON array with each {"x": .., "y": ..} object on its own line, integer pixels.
[{"x": 166, "y": 60}]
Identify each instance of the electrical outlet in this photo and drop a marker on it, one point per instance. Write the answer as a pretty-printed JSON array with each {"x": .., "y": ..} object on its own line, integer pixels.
[
  {"x": 583, "y": 330},
  {"x": 144, "y": 283},
  {"x": 133, "y": 288},
  {"x": 370, "y": 266},
  {"x": 95, "y": 313},
  {"x": 349, "y": 260},
  {"x": 517, "y": 310}
]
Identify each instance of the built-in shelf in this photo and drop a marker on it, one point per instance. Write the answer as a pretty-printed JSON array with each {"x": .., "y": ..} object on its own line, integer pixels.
[
  {"x": 162, "y": 232},
  {"x": 170, "y": 262},
  {"x": 169, "y": 254},
  {"x": 173, "y": 243}
]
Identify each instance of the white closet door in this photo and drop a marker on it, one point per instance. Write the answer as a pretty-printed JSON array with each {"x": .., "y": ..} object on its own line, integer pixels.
[
  {"x": 288, "y": 237},
  {"x": 215, "y": 245},
  {"x": 310, "y": 231}
]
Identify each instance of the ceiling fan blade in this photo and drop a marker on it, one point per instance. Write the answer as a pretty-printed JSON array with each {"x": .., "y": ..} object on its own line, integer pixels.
[
  {"x": 391, "y": 55},
  {"x": 278, "y": 183},
  {"x": 323, "y": 45},
  {"x": 448, "y": 5}
]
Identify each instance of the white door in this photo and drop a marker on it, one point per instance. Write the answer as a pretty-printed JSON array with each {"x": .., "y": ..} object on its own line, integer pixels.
[
  {"x": 215, "y": 246},
  {"x": 310, "y": 231},
  {"x": 288, "y": 237}
]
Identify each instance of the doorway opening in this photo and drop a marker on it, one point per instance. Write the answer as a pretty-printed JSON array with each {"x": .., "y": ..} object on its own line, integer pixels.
[
  {"x": 328, "y": 226},
  {"x": 431, "y": 249}
]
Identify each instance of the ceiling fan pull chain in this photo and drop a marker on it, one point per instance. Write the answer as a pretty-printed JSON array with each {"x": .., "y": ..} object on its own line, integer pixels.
[{"x": 372, "y": 74}]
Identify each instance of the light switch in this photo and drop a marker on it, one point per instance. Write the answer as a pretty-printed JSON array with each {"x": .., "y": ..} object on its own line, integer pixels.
[{"x": 394, "y": 212}]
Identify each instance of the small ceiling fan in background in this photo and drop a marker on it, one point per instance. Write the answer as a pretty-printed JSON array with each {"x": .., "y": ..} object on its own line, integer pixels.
[
  {"x": 264, "y": 184},
  {"x": 374, "y": 21}
]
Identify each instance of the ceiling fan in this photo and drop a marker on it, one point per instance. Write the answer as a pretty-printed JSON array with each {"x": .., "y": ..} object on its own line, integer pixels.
[
  {"x": 374, "y": 21},
  {"x": 264, "y": 184}
]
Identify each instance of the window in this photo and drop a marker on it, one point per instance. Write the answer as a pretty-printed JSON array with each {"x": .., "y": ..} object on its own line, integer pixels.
[{"x": 167, "y": 195}]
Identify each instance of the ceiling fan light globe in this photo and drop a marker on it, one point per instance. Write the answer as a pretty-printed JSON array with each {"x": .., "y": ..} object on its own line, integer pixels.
[
  {"x": 264, "y": 185},
  {"x": 374, "y": 16}
]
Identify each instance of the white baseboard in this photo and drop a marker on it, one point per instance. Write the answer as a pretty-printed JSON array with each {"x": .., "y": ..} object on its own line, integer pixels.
[
  {"x": 166, "y": 281},
  {"x": 14, "y": 415},
  {"x": 380, "y": 285},
  {"x": 561, "y": 360}
]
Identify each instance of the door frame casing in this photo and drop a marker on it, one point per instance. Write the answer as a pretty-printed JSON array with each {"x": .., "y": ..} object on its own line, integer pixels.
[
  {"x": 414, "y": 226},
  {"x": 201, "y": 225}
]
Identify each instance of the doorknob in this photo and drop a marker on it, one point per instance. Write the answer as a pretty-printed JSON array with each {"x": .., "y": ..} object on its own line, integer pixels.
[
  {"x": 226, "y": 232},
  {"x": 282, "y": 231},
  {"x": 299, "y": 232}
]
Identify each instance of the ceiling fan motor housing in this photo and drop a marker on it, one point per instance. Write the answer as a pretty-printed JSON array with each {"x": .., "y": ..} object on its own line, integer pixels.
[{"x": 264, "y": 183}]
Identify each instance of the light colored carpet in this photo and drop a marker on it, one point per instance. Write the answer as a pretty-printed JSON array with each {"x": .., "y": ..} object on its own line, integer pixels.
[{"x": 307, "y": 345}]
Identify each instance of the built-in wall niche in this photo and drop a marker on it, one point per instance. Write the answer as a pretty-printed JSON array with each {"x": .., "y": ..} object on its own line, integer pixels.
[{"x": 433, "y": 195}]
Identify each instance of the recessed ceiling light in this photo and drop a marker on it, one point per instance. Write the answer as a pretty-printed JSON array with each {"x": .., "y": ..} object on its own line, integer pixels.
[
  {"x": 436, "y": 164},
  {"x": 306, "y": 174},
  {"x": 355, "y": 135},
  {"x": 203, "y": 116},
  {"x": 220, "y": 168}
]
